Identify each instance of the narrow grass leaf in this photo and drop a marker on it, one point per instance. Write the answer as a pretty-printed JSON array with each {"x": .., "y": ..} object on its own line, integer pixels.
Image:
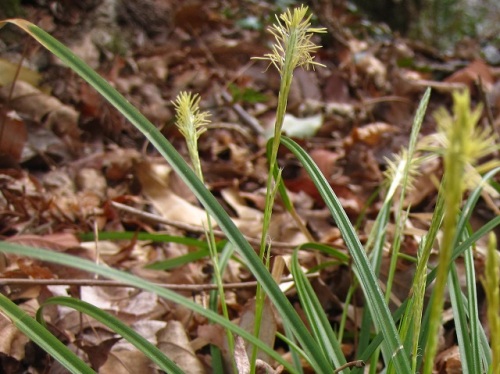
[
  {"x": 43, "y": 338},
  {"x": 175, "y": 262},
  {"x": 78, "y": 263},
  {"x": 342, "y": 257},
  {"x": 490, "y": 280},
  {"x": 294, "y": 349},
  {"x": 215, "y": 352},
  {"x": 153, "y": 237},
  {"x": 461, "y": 326},
  {"x": 316, "y": 316},
  {"x": 472, "y": 311},
  {"x": 392, "y": 345},
  {"x": 117, "y": 326}
]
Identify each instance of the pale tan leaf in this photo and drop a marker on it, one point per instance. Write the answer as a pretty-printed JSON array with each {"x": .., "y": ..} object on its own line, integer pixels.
[
  {"x": 127, "y": 362},
  {"x": 174, "y": 342},
  {"x": 13, "y": 341},
  {"x": 268, "y": 325},
  {"x": 154, "y": 179},
  {"x": 8, "y": 72}
]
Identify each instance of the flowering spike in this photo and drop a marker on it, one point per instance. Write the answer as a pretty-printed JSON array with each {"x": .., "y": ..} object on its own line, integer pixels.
[
  {"x": 477, "y": 142},
  {"x": 394, "y": 173},
  {"x": 191, "y": 123},
  {"x": 293, "y": 46},
  {"x": 189, "y": 120}
]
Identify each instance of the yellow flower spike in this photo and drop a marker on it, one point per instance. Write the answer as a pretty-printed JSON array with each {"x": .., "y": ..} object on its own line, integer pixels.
[
  {"x": 293, "y": 39},
  {"x": 191, "y": 123},
  {"x": 477, "y": 142}
]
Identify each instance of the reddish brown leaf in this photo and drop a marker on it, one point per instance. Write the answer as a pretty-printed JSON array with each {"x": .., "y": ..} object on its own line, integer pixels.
[{"x": 13, "y": 136}]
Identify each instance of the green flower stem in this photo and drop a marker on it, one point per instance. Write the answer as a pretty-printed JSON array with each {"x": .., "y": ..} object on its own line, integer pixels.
[
  {"x": 192, "y": 123},
  {"x": 459, "y": 151},
  {"x": 292, "y": 49}
]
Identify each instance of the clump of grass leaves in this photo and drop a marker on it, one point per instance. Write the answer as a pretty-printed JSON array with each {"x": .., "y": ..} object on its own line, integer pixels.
[{"x": 401, "y": 336}]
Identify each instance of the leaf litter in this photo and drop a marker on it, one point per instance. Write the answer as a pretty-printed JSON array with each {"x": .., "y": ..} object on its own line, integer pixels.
[{"x": 69, "y": 160}]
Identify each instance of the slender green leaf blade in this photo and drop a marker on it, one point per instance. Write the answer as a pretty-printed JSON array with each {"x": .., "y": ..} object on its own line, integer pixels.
[
  {"x": 117, "y": 326},
  {"x": 316, "y": 316},
  {"x": 41, "y": 336},
  {"x": 392, "y": 345},
  {"x": 75, "y": 262}
]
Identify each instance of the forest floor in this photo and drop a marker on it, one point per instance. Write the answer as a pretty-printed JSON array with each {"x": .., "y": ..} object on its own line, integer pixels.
[{"x": 72, "y": 166}]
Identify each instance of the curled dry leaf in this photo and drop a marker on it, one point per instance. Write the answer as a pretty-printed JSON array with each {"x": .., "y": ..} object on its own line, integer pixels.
[
  {"x": 174, "y": 342},
  {"x": 121, "y": 300},
  {"x": 155, "y": 181},
  {"x": 449, "y": 361},
  {"x": 471, "y": 74},
  {"x": 38, "y": 106},
  {"x": 249, "y": 220},
  {"x": 240, "y": 356},
  {"x": 99, "y": 353},
  {"x": 268, "y": 325},
  {"x": 13, "y": 341},
  {"x": 57, "y": 242},
  {"x": 371, "y": 133}
]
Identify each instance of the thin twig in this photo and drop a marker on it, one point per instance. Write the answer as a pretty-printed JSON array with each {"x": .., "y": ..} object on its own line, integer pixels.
[
  {"x": 186, "y": 227},
  {"x": 110, "y": 283},
  {"x": 243, "y": 115},
  {"x": 352, "y": 364}
]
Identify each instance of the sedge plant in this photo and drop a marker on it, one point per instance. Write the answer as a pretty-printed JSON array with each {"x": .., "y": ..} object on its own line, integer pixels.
[
  {"x": 309, "y": 349},
  {"x": 293, "y": 48},
  {"x": 465, "y": 145},
  {"x": 191, "y": 123}
]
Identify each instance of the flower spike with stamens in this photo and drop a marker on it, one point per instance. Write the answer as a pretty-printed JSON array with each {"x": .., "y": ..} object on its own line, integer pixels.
[
  {"x": 191, "y": 123},
  {"x": 293, "y": 39},
  {"x": 478, "y": 142}
]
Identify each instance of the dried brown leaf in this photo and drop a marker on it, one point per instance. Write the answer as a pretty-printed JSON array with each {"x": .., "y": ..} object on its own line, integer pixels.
[
  {"x": 98, "y": 354},
  {"x": 471, "y": 74},
  {"x": 38, "y": 106},
  {"x": 155, "y": 181},
  {"x": 174, "y": 342},
  {"x": 372, "y": 133},
  {"x": 268, "y": 326},
  {"x": 449, "y": 361},
  {"x": 13, "y": 341},
  {"x": 58, "y": 242},
  {"x": 13, "y": 136},
  {"x": 127, "y": 362}
]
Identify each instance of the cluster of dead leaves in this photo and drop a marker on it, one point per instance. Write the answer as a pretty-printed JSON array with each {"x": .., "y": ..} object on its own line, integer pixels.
[{"x": 68, "y": 158}]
